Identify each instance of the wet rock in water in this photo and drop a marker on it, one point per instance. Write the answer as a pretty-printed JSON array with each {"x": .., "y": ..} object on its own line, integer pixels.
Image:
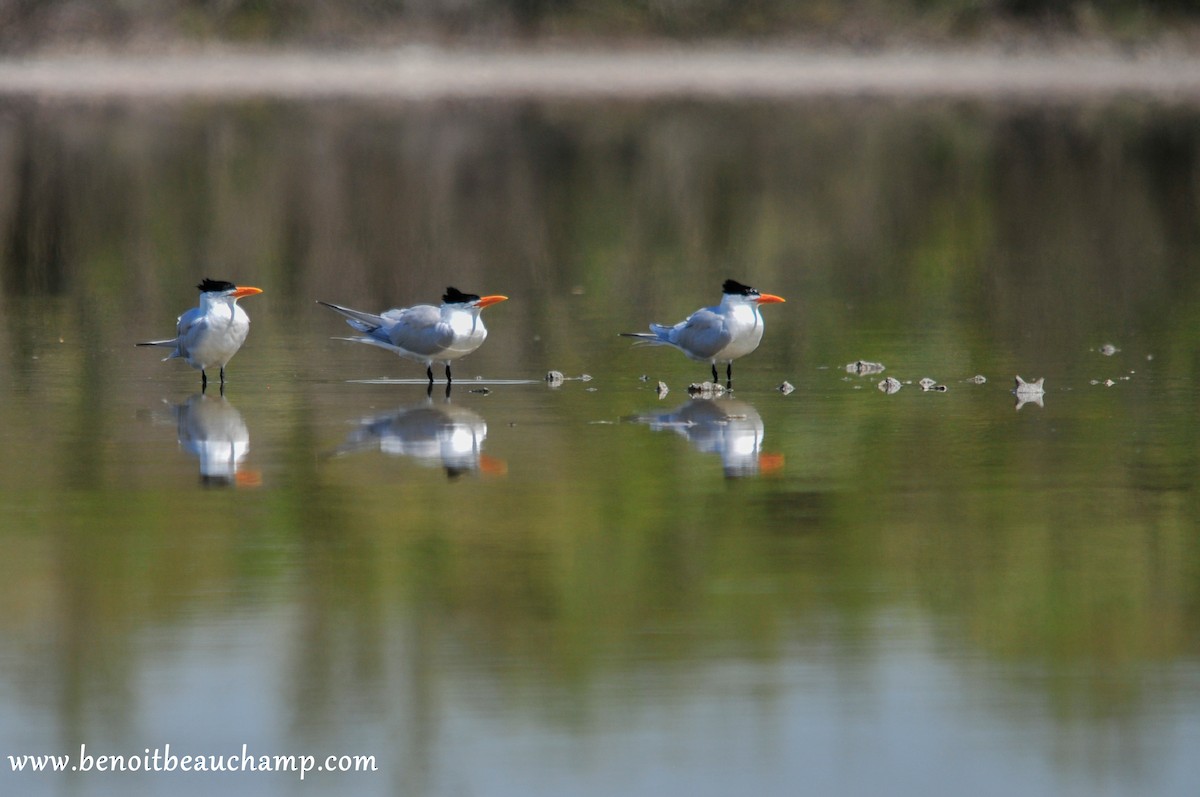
[
  {"x": 661, "y": 389},
  {"x": 1023, "y": 388},
  {"x": 927, "y": 383},
  {"x": 1028, "y": 392},
  {"x": 786, "y": 388},
  {"x": 706, "y": 389},
  {"x": 978, "y": 379},
  {"x": 863, "y": 368},
  {"x": 1108, "y": 350},
  {"x": 555, "y": 378},
  {"x": 585, "y": 377},
  {"x": 890, "y": 385},
  {"x": 481, "y": 390},
  {"x": 644, "y": 378}
]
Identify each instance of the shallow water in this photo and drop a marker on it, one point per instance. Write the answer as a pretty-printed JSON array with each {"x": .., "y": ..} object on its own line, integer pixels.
[{"x": 587, "y": 589}]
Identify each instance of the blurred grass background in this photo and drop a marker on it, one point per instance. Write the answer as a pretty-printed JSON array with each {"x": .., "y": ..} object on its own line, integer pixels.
[{"x": 31, "y": 25}]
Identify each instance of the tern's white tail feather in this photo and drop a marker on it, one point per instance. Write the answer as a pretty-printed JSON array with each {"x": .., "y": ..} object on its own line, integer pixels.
[
  {"x": 173, "y": 342},
  {"x": 383, "y": 344},
  {"x": 646, "y": 338}
]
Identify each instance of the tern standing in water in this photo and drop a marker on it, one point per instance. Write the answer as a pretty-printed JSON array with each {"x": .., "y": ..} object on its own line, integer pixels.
[
  {"x": 209, "y": 334},
  {"x": 718, "y": 334},
  {"x": 425, "y": 333}
]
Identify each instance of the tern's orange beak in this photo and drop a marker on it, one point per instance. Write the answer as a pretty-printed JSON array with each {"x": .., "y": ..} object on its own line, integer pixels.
[
  {"x": 489, "y": 300},
  {"x": 243, "y": 292},
  {"x": 770, "y": 298}
]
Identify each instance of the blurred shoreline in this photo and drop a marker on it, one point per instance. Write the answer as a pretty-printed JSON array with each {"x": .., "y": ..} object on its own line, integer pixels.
[{"x": 632, "y": 71}]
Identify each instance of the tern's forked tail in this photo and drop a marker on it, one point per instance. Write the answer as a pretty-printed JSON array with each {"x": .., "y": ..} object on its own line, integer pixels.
[{"x": 363, "y": 322}]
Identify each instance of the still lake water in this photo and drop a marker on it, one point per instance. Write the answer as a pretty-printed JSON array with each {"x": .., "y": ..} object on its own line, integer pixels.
[{"x": 587, "y": 589}]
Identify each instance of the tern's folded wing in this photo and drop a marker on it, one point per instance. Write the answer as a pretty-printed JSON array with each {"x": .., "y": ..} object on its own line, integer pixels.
[
  {"x": 419, "y": 330},
  {"x": 703, "y": 334}
]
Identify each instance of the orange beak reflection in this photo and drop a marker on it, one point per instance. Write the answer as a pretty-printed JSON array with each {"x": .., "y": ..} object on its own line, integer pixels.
[
  {"x": 490, "y": 300},
  {"x": 770, "y": 463},
  {"x": 492, "y": 466}
]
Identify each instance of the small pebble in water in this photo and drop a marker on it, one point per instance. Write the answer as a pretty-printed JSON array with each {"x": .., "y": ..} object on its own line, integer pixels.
[
  {"x": 554, "y": 378},
  {"x": 1108, "y": 350},
  {"x": 864, "y": 367},
  {"x": 661, "y": 389},
  {"x": 890, "y": 385},
  {"x": 1023, "y": 388},
  {"x": 786, "y": 388}
]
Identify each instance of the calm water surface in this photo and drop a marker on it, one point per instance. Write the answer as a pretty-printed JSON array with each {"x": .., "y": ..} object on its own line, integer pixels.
[{"x": 589, "y": 589}]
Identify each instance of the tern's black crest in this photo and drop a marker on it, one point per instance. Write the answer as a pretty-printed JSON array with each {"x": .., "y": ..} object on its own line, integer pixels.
[
  {"x": 455, "y": 296},
  {"x": 218, "y": 286},
  {"x": 735, "y": 288}
]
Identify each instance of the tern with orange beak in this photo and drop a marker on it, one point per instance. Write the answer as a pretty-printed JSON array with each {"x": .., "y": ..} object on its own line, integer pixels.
[
  {"x": 718, "y": 334},
  {"x": 209, "y": 334},
  {"x": 425, "y": 333}
]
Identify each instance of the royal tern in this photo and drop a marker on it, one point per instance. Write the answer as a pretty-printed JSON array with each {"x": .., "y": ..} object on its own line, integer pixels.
[
  {"x": 425, "y": 333},
  {"x": 718, "y": 334},
  {"x": 210, "y": 333}
]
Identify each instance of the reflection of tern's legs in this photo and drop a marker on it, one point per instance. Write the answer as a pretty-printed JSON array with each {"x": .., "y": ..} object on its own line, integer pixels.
[
  {"x": 429, "y": 373},
  {"x": 203, "y": 381}
]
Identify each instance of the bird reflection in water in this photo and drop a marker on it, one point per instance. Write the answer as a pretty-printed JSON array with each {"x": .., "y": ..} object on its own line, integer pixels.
[
  {"x": 212, "y": 430},
  {"x": 444, "y": 436},
  {"x": 728, "y": 427}
]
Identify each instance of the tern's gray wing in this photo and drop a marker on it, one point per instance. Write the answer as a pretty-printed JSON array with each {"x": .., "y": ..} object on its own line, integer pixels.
[
  {"x": 363, "y": 322},
  {"x": 192, "y": 326},
  {"x": 419, "y": 330},
  {"x": 702, "y": 335}
]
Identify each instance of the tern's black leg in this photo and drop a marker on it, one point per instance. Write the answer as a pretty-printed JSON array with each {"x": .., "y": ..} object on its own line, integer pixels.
[
  {"x": 203, "y": 381},
  {"x": 429, "y": 372},
  {"x": 714, "y": 365},
  {"x": 447, "y": 388},
  {"x": 729, "y": 375},
  {"x": 447, "y": 373}
]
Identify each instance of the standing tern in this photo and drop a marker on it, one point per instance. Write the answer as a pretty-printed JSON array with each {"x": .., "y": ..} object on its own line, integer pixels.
[
  {"x": 718, "y": 334},
  {"x": 425, "y": 333},
  {"x": 210, "y": 333}
]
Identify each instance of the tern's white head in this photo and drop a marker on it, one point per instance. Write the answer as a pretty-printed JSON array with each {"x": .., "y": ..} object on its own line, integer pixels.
[
  {"x": 455, "y": 299},
  {"x": 734, "y": 292},
  {"x": 214, "y": 290}
]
